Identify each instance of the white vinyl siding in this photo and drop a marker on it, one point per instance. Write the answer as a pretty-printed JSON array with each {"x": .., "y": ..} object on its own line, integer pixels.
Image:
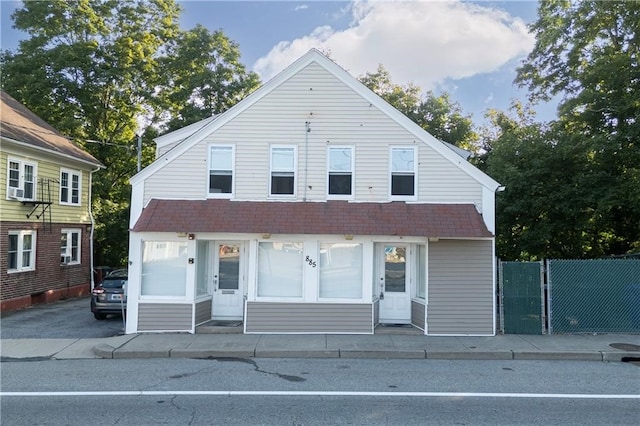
[
  {"x": 460, "y": 290},
  {"x": 337, "y": 116}
]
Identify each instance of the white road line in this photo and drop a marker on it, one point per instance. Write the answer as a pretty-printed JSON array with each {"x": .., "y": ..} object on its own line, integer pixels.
[{"x": 325, "y": 393}]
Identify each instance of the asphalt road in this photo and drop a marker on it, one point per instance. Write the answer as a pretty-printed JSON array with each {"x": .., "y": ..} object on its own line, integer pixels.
[
  {"x": 67, "y": 319},
  {"x": 318, "y": 391}
]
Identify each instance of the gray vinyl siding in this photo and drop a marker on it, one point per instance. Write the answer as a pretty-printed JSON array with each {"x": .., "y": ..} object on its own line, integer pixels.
[
  {"x": 203, "y": 311},
  {"x": 376, "y": 313},
  {"x": 460, "y": 292},
  {"x": 337, "y": 116},
  {"x": 417, "y": 314},
  {"x": 164, "y": 316},
  {"x": 271, "y": 317}
]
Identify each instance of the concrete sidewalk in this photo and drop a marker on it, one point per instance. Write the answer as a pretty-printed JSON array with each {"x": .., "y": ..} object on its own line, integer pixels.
[{"x": 601, "y": 347}]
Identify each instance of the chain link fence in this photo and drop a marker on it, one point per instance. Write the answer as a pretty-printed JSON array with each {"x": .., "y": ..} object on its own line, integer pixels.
[
  {"x": 594, "y": 296},
  {"x": 521, "y": 297}
]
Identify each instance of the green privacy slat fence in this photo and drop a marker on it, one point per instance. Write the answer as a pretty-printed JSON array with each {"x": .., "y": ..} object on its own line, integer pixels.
[
  {"x": 521, "y": 290},
  {"x": 594, "y": 296}
]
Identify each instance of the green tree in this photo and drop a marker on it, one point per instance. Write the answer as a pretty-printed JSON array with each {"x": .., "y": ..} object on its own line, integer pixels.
[
  {"x": 206, "y": 76},
  {"x": 438, "y": 115},
  {"x": 103, "y": 71},
  {"x": 587, "y": 52},
  {"x": 543, "y": 213}
]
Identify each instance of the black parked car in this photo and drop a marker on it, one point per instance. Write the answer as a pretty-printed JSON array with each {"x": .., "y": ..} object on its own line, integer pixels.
[{"x": 109, "y": 296}]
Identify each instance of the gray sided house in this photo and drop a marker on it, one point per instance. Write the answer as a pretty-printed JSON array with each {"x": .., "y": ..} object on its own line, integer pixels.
[{"x": 312, "y": 206}]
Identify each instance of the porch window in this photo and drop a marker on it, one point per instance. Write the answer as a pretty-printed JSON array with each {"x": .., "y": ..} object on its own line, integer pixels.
[
  {"x": 403, "y": 173},
  {"x": 70, "y": 246},
  {"x": 283, "y": 170},
  {"x": 280, "y": 269},
  {"x": 70, "y": 187},
  {"x": 340, "y": 271},
  {"x": 340, "y": 172},
  {"x": 164, "y": 268},
  {"x": 221, "y": 159},
  {"x": 21, "y": 251},
  {"x": 21, "y": 180}
]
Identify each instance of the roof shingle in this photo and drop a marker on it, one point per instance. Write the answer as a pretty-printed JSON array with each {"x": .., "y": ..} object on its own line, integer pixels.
[
  {"x": 22, "y": 125},
  {"x": 331, "y": 217}
]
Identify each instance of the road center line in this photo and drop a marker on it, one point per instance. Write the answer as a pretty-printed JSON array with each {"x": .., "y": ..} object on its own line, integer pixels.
[{"x": 325, "y": 393}]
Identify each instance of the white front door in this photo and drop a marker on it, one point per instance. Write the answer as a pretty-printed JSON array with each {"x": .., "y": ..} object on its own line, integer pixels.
[
  {"x": 228, "y": 280},
  {"x": 395, "y": 296}
]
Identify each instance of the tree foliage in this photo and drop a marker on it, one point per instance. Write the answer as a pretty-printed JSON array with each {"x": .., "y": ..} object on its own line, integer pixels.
[
  {"x": 588, "y": 52},
  {"x": 103, "y": 71},
  {"x": 438, "y": 115}
]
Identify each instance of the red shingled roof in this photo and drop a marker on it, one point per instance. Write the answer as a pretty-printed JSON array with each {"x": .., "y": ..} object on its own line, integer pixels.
[{"x": 331, "y": 217}]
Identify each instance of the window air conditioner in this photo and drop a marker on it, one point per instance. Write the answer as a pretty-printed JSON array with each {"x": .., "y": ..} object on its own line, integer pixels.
[
  {"x": 16, "y": 193},
  {"x": 65, "y": 260}
]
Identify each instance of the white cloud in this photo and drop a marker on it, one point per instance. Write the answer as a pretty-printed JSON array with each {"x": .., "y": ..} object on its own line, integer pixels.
[
  {"x": 424, "y": 42},
  {"x": 301, "y": 7}
]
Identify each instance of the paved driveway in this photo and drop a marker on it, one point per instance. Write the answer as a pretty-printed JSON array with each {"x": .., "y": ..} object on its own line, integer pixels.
[{"x": 67, "y": 319}]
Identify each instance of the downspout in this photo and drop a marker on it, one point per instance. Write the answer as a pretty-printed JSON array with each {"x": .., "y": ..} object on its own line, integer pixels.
[
  {"x": 306, "y": 157},
  {"x": 93, "y": 225}
]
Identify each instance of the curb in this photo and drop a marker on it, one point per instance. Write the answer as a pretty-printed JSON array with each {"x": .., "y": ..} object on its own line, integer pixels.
[{"x": 107, "y": 351}]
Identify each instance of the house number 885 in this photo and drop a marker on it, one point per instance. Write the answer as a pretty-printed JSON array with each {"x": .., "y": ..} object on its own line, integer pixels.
[{"x": 311, "y": 262}]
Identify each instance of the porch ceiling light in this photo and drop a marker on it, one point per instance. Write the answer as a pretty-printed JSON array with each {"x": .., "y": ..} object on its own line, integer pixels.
[
  {"x": 266, "y": 236},
  {"x": 348, "y": 237}
]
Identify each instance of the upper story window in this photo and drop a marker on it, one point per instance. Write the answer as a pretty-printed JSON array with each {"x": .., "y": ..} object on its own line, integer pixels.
[
  {"x": 221, "y": 164},
  {"x": 70, "y": 181},
  {"x": 283, "y": 170},
  {"x": 340, "y": 168},
  {"x": 70, "y": 246},
  {"x": 403, "y": 173},
  {"x": 21, "y": 180},
  {"x": 21, "y": 252}
]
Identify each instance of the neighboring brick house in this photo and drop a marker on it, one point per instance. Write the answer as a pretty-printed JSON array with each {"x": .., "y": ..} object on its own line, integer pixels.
[
  {"x": 312, "y": 206},
  {"x": 46, "y": 224}
]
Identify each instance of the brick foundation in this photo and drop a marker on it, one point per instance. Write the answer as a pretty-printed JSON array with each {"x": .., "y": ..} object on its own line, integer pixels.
[
  {"x": 50, "y": 281},
  {"x": 44, "y": 297}
]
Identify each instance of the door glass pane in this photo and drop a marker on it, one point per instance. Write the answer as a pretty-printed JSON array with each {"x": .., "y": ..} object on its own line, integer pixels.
[
  {"x": 394, "y": 268},
  {"x": 229, "y": 267}
]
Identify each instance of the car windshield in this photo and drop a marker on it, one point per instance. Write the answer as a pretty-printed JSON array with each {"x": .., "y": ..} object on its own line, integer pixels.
[{"x": 115, "y": 279}]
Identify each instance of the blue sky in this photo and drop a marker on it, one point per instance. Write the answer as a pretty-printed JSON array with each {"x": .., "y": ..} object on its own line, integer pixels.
[{"x": 468, "y": 48}]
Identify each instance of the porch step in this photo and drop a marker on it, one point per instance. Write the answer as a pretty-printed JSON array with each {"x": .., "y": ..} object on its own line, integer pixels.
[
  {"x": 220, "y": 327},
  {"x": 397, "y": 329}
]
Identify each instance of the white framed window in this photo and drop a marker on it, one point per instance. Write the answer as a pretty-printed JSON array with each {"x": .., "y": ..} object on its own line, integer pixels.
[
  {"x": 21, "y": 251},
  {"x": 221, "y": 171},
  {"x": 282, "y": 180},
  {"x": 70, "y": 243},
  {"x": 70, "y": 184},
  {"x": 164, "y": 268},
  {"x": 402, "y": 180},
  {"x": 340, "y": 271},
  {"x": 340, "y": 172},
  {"x": 280, "y": 269},
  {"x": 21, "y": 179}
]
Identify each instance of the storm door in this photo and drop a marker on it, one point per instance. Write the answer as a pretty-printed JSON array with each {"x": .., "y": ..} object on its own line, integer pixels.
[
  {"x": 395, "y": 297},
  {"x": 228, "y": 280}
]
